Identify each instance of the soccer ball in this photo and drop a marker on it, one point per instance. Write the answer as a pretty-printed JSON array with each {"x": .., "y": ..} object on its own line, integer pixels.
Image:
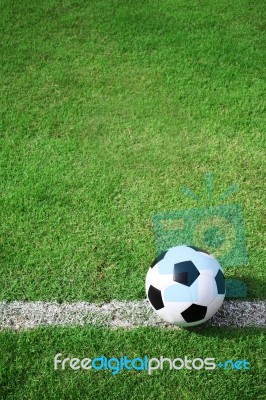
[{"x": 185, "y": 285}]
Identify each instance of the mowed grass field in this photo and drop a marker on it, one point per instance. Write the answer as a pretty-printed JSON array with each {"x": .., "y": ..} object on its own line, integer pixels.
[{"x": 109, "y": 108}]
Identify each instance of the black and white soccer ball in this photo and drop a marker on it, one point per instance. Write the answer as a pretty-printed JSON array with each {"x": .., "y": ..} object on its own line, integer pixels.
[{"x": 185, "y": 285}]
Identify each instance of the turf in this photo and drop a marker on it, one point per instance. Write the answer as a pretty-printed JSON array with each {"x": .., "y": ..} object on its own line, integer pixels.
[
  {"x": 108, "y": 109},
  {"x": 28, "y": 366}
]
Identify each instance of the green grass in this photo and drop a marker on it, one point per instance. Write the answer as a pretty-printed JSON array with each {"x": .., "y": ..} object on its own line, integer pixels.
[
  {"x": 108, "y": 108},
  {"x": 29, "y": 364}
]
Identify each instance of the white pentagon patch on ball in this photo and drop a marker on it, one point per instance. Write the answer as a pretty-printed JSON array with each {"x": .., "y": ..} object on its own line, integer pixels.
[{"x": 185, "y": 285}]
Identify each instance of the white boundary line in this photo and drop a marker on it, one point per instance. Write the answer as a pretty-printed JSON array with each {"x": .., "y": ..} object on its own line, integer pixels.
[{"x": 19, "y": 315}]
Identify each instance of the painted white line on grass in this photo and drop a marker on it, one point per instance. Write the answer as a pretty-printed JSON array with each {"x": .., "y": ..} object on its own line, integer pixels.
[{"x": 19, "y": 315}]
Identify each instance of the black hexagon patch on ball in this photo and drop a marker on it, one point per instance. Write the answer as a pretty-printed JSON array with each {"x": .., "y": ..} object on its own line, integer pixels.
[
  {"x": 194, "y": 313},
  {"x": 185, "y": 273},
  {"x": 220, "y": 282},
  {"x": 155, "y": 297}
]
